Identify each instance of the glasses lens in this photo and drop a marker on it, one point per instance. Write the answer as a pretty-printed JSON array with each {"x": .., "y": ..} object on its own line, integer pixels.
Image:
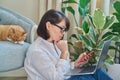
[{"x": 62, "y": 29}]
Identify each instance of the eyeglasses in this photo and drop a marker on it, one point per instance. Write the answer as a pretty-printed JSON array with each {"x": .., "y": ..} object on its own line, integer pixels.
[{"x": 62, "y": 29}]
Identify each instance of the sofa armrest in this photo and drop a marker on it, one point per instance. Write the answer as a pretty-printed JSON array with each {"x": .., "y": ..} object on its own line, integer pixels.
[{"x": 33, "y": 34}]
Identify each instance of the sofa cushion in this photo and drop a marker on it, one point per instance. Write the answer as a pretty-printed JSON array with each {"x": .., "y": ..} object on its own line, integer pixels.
[{"x": 12, "y": 55}]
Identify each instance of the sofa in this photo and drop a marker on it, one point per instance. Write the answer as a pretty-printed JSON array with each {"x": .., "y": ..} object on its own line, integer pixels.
[{"x": 12, "y": 55}]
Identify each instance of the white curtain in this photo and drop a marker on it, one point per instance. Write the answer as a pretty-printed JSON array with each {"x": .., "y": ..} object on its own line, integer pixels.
[{"x": 45, "y": 5}]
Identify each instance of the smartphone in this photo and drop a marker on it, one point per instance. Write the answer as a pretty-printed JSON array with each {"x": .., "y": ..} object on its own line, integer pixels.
[{"x": 87, "y": 55}]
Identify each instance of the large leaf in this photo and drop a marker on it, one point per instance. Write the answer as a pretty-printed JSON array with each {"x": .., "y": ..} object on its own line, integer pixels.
[
  {"x": 85, "y": 27},
  {"x": 83, "y": 3},
  {"x": 74, "y": 56},
  {"x": 86, "y": 42},
  {"x": 108, "y": 37},
  {"x": 83, "y": 11},
  {"x": 77, "y": 50},
  {"x": 70, "y": 43},
  {"x": 86, "y": 10},
  {"x": 117, "y": 16},
  {"x": 116, "y": 27},
  {"x": 90, "y": 19},
  {"x": 109, "y": 33},
  {"x": 96, "y": 33},
  {"x": 78, "y": 47},
  {"x": 116, "y": 6},
  {"x": 100, "y": 45},
  {"x": 112, "y": 47},
  {"x": 74, "y": 36},
  {"x": 70, "y": 9},
  {"x": 109, "y": 21},
  {"x": 103, "y": 33},
  {"x": 69, "y": 1},
  {"x": 115, "y": 38},
  {"x": 63, "y": 9},
  {"x": 92, "y": 35},
  {"x": 99, "y": 19},
  {"x": 109, "y": 59}
]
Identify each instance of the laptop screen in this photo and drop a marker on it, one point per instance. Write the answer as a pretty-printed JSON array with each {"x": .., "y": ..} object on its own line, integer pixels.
[{"x": 103, "y": 54}]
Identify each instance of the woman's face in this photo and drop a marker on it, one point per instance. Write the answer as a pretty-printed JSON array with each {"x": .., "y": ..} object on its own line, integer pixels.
[{"x": 56, "y": 31}]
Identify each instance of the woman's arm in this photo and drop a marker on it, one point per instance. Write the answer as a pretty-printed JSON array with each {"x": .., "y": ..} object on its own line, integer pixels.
[{"x": 45, "y": 67}]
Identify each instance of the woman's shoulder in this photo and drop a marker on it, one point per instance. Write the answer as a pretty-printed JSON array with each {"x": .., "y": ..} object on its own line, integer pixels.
[{"x": 40, "y": 45}]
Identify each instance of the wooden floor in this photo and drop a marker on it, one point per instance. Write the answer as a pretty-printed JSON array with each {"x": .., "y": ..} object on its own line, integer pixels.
[{"x": 13, "y": 78}]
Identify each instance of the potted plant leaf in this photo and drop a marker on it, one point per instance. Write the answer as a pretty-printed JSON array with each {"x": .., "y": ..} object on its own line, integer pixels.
[
  {"x": 93, "y": 31},
  {"x": 116, "y": 29}
]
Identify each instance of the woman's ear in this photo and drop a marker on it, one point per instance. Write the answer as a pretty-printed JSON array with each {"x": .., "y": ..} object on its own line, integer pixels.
[{"x": 48, "y": 25}]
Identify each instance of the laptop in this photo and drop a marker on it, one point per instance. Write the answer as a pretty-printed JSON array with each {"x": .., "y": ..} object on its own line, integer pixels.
[{"x": 91, "y": 69}]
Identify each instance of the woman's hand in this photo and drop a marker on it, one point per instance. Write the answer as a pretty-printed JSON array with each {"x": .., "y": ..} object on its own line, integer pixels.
[
  {"x": 63, "y": 46},
  {"x": 78, "y": 62}
]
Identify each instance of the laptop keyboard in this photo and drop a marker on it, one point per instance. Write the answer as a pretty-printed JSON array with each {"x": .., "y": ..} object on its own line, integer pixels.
[{"x": 87, "y": 69}]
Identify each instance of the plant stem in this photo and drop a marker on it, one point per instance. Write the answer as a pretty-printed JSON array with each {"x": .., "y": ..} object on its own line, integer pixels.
[
  {"x": 75, "y": 20},
  {"x": 119, "y": 57}
]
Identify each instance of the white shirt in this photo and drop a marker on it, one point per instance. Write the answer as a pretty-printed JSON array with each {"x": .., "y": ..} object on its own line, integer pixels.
[{"x": 43, "y": 63}]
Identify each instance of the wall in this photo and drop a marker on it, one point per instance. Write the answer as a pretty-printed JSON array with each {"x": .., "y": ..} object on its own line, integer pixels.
[{"x": 28, "y": 8}]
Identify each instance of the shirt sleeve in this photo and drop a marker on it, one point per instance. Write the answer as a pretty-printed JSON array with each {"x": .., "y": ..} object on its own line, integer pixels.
[
  {"x": 43, "y": 65},
  {"x": 71, "y": 63}
]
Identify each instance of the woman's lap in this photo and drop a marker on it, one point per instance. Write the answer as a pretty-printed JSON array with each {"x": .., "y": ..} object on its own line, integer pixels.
[{"x": 99, "y": 75}]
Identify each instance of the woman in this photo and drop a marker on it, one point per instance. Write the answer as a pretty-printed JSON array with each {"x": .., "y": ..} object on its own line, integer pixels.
[{"x": 47, "y": 58}]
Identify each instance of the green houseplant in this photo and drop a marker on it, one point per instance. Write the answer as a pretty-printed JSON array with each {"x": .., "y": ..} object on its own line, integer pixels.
[
  {"x": 93, "y": 31},
  {"x": 116, "y": 29}
]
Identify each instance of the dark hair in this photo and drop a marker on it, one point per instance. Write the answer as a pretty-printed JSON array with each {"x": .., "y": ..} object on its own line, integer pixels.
[{"x": 54, "y": 17}]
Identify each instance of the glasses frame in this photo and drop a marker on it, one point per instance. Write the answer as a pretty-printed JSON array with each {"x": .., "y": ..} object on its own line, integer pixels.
[{"x": 62, "y": 29}]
